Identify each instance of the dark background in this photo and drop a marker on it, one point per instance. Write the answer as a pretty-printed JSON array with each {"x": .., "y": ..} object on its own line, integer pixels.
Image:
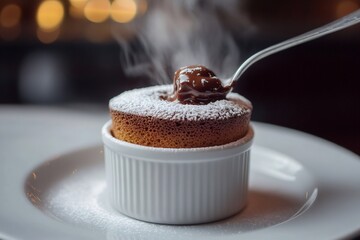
[{"x": 313, "y": 87}]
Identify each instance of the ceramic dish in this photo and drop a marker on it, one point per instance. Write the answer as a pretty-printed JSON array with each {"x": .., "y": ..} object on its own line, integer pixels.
[
  {"x": 53, "y": 185},
  {"x": 177, "y": 185}
]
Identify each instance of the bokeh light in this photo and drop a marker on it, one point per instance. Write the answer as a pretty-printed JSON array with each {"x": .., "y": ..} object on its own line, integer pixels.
[
  {"x": 97, "y": 11},
  {"x": 76, "y": 12},
  {"x": 50, "y": 15},
  {"x": 77, "y": 8},
  {"x": 78, "y": 3},
  {"x": 345, "y": 7},
  {"x": 10, "y": 16},
  {"x": 46, "y": 36},
  {"x": 123, "y": 11},
  {"x": 142, "y": 6}
]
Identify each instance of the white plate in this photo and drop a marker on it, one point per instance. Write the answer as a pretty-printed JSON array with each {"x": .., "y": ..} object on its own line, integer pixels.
[{"x": 53, "y": 185}]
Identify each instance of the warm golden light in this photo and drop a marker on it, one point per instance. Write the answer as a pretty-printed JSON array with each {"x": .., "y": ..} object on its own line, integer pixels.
[
  {"x": 76, "y": 12},
  {"x": 50, "y": 15},
  {"x": 345, "y": 7},
  {"x": 97, "y": 10},
  {"x": 78, "y": 3},
  {"x": 46, "y": 36},
  {"x": 10, "y": 15},
  {"x": 77, "y": 8},
  {"x": 123, "y": 11}
]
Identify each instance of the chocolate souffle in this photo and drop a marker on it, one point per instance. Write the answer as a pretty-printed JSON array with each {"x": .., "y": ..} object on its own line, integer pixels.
[{"x": 197, "y": 111}]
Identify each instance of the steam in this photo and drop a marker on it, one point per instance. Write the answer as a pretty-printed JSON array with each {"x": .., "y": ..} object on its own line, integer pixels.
[{"x": 173, "y": 34}]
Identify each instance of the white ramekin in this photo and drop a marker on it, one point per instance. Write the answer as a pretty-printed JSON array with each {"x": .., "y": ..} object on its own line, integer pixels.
[{"x": 177, "y": 186}]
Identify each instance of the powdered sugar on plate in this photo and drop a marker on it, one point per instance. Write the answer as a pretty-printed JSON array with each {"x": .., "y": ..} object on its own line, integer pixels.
[
  {"x": 148, "y": 102},
  {"x": 76, "y": 194}
]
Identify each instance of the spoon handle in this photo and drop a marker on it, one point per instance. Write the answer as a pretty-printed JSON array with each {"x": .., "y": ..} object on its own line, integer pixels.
[{"x": 334, "y": 26}]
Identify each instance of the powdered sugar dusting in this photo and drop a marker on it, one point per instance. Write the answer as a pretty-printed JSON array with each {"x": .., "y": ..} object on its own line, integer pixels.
[
  {"x": 203, "y": 81},
  {"x": 148, "y": 102},
  {"x": 183, "y": 78},
  {"x": 78, "y": 196},
  {"x": 184, "y": 70}
]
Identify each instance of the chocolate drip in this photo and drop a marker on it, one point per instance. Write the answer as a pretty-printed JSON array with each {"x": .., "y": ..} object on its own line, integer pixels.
[{"x": 197, "y": 85}]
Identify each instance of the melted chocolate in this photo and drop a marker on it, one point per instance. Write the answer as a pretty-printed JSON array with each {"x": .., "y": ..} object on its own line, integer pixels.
[{"x": 197, "y": 85}]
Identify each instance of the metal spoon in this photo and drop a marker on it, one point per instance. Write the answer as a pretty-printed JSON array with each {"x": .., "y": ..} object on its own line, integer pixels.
[{"x": 337, "y": 25}]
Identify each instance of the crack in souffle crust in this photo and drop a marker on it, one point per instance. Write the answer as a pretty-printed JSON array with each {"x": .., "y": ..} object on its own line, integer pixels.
[{"x": 149, "y": 102}]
